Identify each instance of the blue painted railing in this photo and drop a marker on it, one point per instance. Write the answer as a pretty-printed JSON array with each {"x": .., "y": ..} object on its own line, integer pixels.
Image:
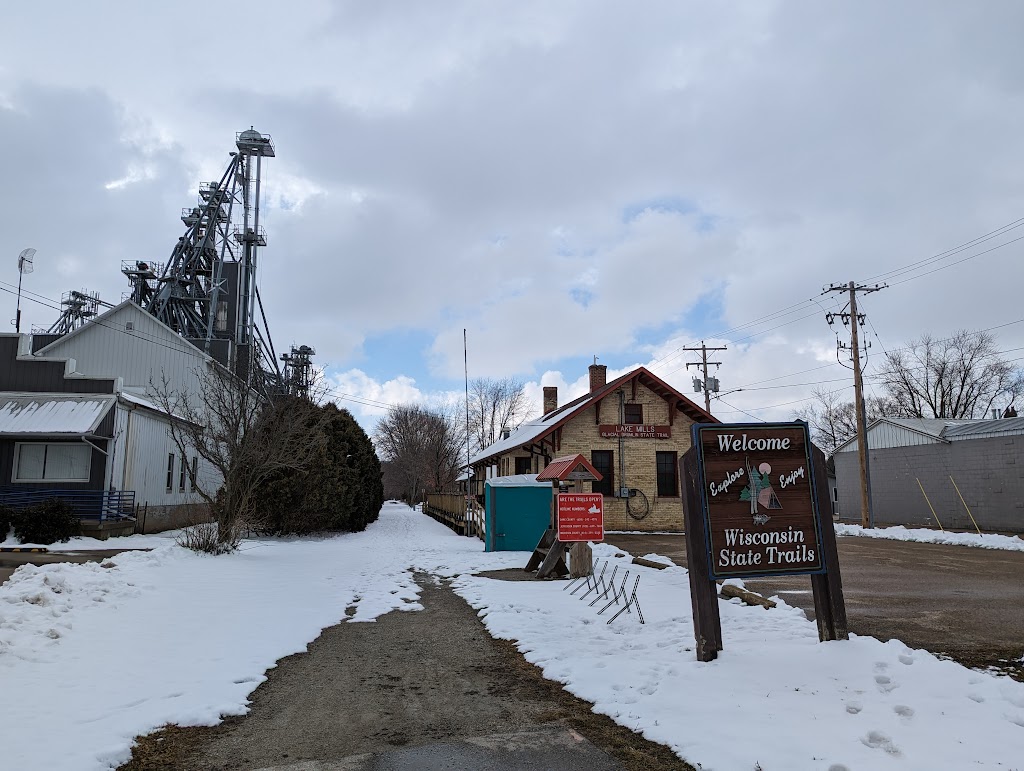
[{"x": 87, "y": 504}]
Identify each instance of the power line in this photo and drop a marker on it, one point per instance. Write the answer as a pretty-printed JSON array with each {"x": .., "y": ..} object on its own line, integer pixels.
[
  {"x": 895, "y": 272},
  {"x": 789, "y": 310},
  {"x": 950, "y": 252},
  {"x": 737, "y": 409},
  {"x": 782, "y": 404},
  {"x": 965, "y": 259}
]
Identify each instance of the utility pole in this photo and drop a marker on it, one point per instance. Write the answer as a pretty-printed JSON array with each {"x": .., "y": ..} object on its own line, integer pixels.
[
  {"x": 854, "y": 319},
  {"x": 703, "y": 384}
]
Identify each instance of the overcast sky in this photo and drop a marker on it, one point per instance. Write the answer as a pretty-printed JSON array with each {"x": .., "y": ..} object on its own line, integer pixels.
[{"x": 562, "y": 179}]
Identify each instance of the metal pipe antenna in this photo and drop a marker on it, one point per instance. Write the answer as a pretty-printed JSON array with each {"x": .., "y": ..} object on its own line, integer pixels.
[
  {"x": 856, "y": 320},
  {"x": 469, "y": 469},
  {"x": 708, "y": 384},
  {"x": 26, "y": 264}
]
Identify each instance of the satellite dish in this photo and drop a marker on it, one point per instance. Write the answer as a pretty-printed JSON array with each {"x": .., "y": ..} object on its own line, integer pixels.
[{"x": 25, "y": 261}]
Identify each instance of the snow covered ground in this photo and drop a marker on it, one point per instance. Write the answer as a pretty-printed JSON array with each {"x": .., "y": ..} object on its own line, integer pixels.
[
  {"x": 91, "y": 655},
  {"x": 775, "y": 696},
  {"x": 926, "y": 535}
]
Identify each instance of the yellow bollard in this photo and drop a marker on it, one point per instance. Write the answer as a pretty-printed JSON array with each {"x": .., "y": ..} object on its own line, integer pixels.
[
  {"x": 930, "y": 505},
  {"x": 965, "y": 504}
]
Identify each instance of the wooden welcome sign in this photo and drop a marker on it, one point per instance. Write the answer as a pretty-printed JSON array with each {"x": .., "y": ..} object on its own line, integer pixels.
[{"x": 752, "y": 501}]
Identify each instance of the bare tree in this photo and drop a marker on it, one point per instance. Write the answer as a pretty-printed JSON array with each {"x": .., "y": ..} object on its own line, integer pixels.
[
  {"x": 832, "y": 421},
  {"x": 422, "y": 447},
  {"x": 243, "y": 437},
  {"x": 960, "y": 377},
  {"x": 495, "y": 406}
]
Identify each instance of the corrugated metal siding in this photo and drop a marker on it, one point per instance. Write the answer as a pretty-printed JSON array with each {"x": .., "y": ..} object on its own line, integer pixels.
[
  {"x": 145, "y": 465},
  {"x": 884, "y": 435},
  {"x": 141, "y": 356},
  {"x": 41, "y": 376},
  {"x": 148, "y": 448}
]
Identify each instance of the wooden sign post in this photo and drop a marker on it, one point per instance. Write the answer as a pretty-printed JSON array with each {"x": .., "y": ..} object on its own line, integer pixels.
[
  {"x": 752, "y": 501},
  {"x": 571, "y": 517}
]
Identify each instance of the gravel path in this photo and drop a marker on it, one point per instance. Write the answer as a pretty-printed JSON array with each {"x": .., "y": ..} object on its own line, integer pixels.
[{"x": 420, "y": 690}]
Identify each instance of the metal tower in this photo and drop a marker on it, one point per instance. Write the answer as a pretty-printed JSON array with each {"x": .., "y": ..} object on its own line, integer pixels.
[
  {"x": 298, "y": 371},
  {"x": 78, "y": 308},
  {"x": 207, "y": 289}
]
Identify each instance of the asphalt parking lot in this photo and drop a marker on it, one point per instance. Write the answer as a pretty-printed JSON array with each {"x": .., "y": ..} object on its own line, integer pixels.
[{"x": 959, "y": 601}]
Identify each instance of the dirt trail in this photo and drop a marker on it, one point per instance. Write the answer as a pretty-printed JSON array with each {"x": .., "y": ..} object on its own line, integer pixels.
[{"x": 415, "y": 690}]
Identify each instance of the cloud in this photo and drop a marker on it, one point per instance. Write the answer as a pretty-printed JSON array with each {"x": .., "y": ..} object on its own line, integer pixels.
[
  {"x": 66, "y": 146},
  {"x": 561, "y": 180}
]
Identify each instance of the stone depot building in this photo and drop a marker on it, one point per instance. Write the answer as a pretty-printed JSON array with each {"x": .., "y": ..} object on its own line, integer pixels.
[{"x": 633, "y": 430}]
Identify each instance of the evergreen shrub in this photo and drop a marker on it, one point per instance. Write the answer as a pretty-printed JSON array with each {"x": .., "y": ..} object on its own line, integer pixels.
[
  {"x": 6, "y": 517},
  {"x": 340, "y": 491},
  {"x": 50, "y": 521}
]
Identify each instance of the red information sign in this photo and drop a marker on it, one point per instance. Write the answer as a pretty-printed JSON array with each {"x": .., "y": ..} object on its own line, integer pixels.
[{"x": 580, "y": 517}]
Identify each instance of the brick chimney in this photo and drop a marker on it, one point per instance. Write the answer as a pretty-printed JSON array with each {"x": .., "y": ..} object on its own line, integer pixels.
[
  {"x": 550, "y": 399},
  {"x": 598, "y": 376}
]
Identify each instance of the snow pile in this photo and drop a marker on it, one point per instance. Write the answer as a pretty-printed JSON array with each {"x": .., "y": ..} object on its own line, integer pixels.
[
  {"x": 108, "y": 653},
  {"x": 83, "y": 543},
  {"x": 925, "y": 535},
  {"x": 37, "y": 605},
  {"x": 775, "y": 696}
]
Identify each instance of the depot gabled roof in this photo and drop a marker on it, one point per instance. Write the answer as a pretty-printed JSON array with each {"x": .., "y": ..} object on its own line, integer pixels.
[{"x": 532, "y": 430}]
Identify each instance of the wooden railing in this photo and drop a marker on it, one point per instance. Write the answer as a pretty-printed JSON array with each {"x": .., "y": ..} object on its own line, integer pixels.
[{"x": 450, "y": 509}]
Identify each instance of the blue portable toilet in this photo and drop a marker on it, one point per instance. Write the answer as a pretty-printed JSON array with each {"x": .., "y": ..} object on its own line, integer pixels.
[{"x": 517, "y": 510}]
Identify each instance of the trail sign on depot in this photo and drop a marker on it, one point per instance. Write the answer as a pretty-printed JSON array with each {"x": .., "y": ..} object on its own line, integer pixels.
[{"x": 580, "y": 517}]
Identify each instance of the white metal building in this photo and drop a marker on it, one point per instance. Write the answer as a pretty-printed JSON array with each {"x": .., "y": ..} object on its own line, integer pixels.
[{"x": 79, "y": 414}]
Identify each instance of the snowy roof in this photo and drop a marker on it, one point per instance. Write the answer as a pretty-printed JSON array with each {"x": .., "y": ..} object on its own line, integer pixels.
[
  {"x": 141, "y": 401},
  {"x": 525, "y": 434},
  {"x": 978, "y": 429},
  {"x": 931, "y": 426},
  {"x": 516, "y": 480},
  {"x": 941, "y": 430},
  {"x": 539, "y": 427},
  {"x": 53, "y": 414}
]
